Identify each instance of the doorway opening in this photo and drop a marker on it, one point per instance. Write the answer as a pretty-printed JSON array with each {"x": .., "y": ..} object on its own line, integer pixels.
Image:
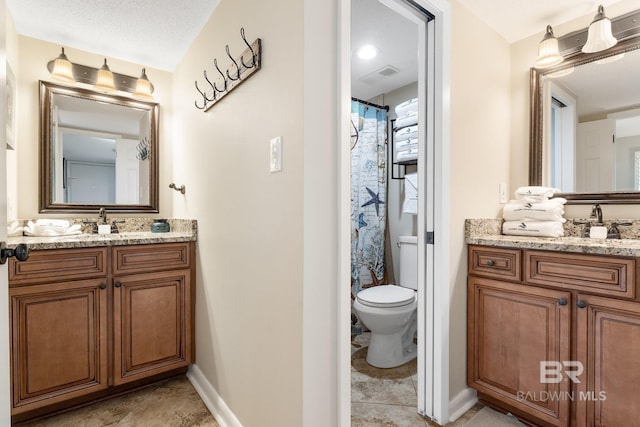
[{"x": 400, "y": 188}]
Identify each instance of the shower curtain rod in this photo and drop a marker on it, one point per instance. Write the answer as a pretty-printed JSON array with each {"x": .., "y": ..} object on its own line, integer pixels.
[{"x": 381, "y": 107}]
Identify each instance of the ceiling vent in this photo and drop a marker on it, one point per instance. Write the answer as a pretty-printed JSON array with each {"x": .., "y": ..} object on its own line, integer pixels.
[{"x": 388, "y": 71}]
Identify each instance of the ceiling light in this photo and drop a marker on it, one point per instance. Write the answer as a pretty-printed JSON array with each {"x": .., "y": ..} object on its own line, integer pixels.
[
  {"x": 105, "y": 81},
  {"x": 62, "y": 69},
  {"x": 600, "y": 37},
  {"x": 548, "y": 53},
  {"x": 143, "y": 87},
  {"x": 367, "y": 52}
]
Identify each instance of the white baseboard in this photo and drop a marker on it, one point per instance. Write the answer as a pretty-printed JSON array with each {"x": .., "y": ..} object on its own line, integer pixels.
[
  {"x": 462, "y": 403},
  {"x": 221, "y": 412}
]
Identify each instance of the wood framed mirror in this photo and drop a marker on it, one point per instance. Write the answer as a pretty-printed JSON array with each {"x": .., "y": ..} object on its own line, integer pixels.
[
  {"x": 585, "y": 119},
  {"x": 97, "y": 150}
]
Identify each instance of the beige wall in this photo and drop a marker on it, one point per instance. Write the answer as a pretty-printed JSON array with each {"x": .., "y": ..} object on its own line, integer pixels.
[
  {"x": 33, "y": 56},
  {"x": 523, "y": 55},
  {"x": 480, "y": 150},
  {"x": 250, "y": 221}
]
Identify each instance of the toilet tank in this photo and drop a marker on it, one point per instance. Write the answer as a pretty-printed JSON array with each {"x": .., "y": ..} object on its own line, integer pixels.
[{"x": 408, "y": 261}]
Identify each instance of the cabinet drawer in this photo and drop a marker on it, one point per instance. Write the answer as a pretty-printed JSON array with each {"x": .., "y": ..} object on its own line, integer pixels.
[
  {"x": 55, "y": 265},
  {"x": 610, "y": 276},
  {"x": 149, "y": 258},
  {"x": 495, "y": 263}
]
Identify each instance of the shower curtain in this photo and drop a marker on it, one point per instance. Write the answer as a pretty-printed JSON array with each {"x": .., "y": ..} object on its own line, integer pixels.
[{"x": 368, "y": 194}]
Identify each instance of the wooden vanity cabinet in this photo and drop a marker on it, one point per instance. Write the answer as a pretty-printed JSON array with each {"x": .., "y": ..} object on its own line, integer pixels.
[
  {"x": 511, "y": 329},
  {"x": 572, "y": 310},
  {"x": 86, "y": 324},
  {"x": 152, "y": 310}
]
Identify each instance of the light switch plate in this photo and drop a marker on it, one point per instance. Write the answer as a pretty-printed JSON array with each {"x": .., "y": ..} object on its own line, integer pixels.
[
  {"x": 275, "y": 154},
  {"x": 503, "y": 192}
]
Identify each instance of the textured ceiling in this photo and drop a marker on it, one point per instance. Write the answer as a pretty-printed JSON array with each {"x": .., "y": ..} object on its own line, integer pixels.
[{"x": 155, "y": 33}]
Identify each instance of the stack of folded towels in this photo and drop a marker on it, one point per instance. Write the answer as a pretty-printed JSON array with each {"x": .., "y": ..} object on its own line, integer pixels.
[
  {"x": 51, "y": 228},
  {"x": 535, "y": 212},
  {"x": 406, "y": 131}
]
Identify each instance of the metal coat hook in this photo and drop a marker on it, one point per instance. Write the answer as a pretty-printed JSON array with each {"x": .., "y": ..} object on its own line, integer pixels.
[
  {"x": 232, "y": 77},
  {"x": 181, "y": 189},
  {"x": 234, "y": 63}
]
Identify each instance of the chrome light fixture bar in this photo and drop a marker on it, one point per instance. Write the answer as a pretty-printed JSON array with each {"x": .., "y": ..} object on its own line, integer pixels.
[
  {"x": 89, "y": 75},
  {"x": 623, "y": 28}
]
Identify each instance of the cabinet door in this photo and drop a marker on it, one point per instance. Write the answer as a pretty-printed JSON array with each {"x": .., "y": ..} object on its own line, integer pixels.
[
  {"x": 59, "y": 342},
  {"x": 515, "y": 331},
  {"x": 608, "y": 334},
  {"x": 152, "y": 324}
]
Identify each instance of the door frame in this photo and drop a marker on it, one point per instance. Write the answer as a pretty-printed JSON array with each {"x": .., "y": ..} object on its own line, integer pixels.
[{"x": 433, "y": 316}]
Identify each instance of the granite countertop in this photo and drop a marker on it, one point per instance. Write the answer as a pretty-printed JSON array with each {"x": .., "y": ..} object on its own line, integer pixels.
[
  {"x": 487, "y": 232},
  {"x": 133, "y": 232}
]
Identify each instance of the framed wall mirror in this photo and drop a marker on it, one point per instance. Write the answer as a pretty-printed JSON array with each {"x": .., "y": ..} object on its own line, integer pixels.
[
  {"x": 97, "y": 150},
  {"x": 585, "y": 120}
]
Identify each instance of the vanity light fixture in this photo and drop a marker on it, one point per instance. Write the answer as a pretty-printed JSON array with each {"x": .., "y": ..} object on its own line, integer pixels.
[
  {"x": 548, "y": 52},
  {"x": 600, "y": 36},
  {"x": 102, "y": 79},
  {"x": 143, "y": 86},
  {"x": 62, "y": 69}
]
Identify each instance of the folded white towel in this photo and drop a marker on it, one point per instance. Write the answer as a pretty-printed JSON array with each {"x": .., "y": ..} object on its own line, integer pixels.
[
  {"x": 14, "y": 229},
  {"x": 535, "y": 193},
  {"x": 541, "y": 211},
  {"x": 406, "y": 107},
  {"x": 35, "y": 229},
  {"x": 407, "y": 119},
  {"x": 410, "y": 132},
  {"x": 410, "y": 204},
  {"x": 407, "y": 155},
  {"x": 533, "y": 228},
  {"x": 57, "y": 223},
  {"x": 408, "y": 144},
  {"x": 524, "y": 200}
]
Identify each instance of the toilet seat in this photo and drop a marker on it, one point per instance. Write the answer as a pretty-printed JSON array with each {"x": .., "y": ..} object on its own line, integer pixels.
[{"x": 386, "y": 296}]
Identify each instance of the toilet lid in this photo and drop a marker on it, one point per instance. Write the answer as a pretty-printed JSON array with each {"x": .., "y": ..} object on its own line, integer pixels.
[{"x": 386, "y": 296}]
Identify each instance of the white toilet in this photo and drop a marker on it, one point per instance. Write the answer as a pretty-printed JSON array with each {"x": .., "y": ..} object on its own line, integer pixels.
[{"x": 390, "y": 312}]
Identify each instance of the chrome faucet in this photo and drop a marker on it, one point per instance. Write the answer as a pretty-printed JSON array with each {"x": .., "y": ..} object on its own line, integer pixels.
[
  {"x": 596, "y": 213},
  {"x": 102, "y": 213}
]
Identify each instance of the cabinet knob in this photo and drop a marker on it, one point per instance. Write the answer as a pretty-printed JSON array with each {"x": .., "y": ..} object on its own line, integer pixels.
[
  {"x": 117, "y": 284},
  {"x": 103, "y": 286},
  {"x": 21, "y": 252},
  {"x": 581, "y": 304},
  {"x": 491, "y": 263},
  {"x": 562, "y": 301}
]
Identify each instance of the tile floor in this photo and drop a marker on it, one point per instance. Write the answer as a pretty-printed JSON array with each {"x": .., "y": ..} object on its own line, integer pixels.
[
  {"x": 171, "y": 403},
  {"x": 387, "y": 397},
  {"x": 379, "y": 398}
]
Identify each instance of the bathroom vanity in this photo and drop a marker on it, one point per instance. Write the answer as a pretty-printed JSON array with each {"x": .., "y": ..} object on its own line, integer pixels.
[
  {"x": 554, "y": 328},
  {"x": 92, "y": 316}
]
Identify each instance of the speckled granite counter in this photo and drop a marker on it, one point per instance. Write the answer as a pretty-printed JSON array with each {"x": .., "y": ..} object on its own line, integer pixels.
[
  {"x": 488, "y": 232},
  {"x": 181, "y": 231}
]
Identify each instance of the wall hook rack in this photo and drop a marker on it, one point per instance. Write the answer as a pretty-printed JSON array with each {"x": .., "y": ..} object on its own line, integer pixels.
[
  {"x": 181, "y": 189},
  {"x": 239, "y": 70}
]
